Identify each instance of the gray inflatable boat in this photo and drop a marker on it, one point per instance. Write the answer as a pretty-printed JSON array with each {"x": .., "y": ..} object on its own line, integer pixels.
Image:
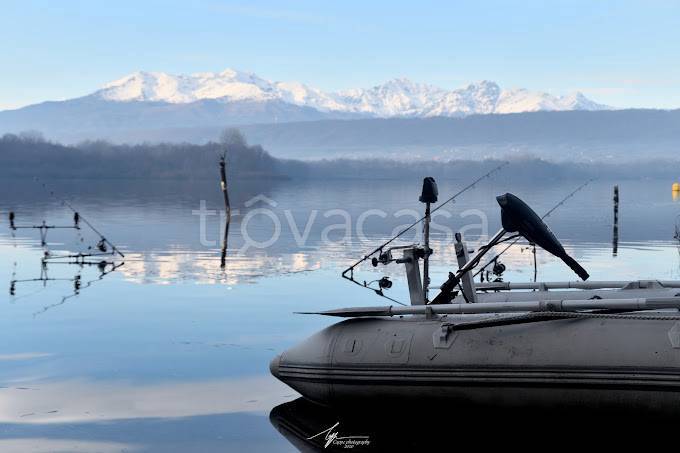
[{"x": 541, "y": 344}]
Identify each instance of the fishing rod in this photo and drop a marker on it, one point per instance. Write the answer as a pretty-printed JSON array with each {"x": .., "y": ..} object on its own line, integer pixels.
[
  {"x": 102, "y": 239},
  {"x": 494, "y": 260},
  {"x": 380, "y": 248},
  {"x": 88, "y": 258}
]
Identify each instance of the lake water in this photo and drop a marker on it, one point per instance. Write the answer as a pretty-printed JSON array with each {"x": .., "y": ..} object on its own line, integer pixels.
[{"x": 170, "y": 351}]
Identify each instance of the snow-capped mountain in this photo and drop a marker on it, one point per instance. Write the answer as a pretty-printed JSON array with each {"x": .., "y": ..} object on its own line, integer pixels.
[
  {"x": 395, "y": 98},
  {"x": 163, "y": 106},
  {"x": 227, "y": 86},
  {"x": 398, "y": 97}
]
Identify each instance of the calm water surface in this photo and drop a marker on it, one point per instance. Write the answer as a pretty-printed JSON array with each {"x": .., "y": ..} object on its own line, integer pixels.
[{"x": 170, "y": 351}]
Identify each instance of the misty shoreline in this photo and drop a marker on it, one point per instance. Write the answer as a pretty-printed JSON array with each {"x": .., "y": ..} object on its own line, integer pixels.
[{"x": 26, "y": 156}]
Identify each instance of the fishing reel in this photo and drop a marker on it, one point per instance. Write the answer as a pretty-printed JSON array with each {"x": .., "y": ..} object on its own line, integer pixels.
[
  {"x": 383, "y": 258},
  {"x": 386, "y": 256},
  {"x": 101, "y": 246},
  {"x": 385, "y": 283},
  {"x": 495, "y": 274}
]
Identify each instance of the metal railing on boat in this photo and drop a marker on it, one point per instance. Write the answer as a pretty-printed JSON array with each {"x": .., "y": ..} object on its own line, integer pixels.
[
  {"x": 547, "y": 305},
  {"x": 543, "y": 286}
]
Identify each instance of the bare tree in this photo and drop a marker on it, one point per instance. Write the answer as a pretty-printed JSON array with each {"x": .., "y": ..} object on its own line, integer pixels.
[
  {"x": 232, "y": 136},
  {"x": 32, "y": 136}
]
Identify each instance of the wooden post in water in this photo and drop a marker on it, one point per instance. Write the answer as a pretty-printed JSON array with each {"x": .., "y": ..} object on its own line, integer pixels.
[
  {"x": 227, "y": 207},
  {"x": 615, "y": 232}
]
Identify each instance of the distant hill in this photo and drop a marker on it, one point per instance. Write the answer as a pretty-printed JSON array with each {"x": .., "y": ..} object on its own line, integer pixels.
[
  {"x": 93, "y": 117},
  {"x": 616, "y": 134},
  {"x": 622, "y": 135},
  {"x": 612, "y": 125},
  {"x": 143, "y": 102}
]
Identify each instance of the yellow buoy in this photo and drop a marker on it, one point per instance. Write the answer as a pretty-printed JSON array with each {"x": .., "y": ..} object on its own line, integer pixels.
[{"x": 676, "y": 191}]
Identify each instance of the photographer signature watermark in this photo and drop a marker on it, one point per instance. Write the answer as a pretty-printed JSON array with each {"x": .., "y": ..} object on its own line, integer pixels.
[{"x": 332, "y": 437}]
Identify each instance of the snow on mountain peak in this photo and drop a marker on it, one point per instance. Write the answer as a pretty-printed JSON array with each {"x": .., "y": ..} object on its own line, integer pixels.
[
  {"x": 159, "y": 86},
  {"x": 396, "y": 97}
]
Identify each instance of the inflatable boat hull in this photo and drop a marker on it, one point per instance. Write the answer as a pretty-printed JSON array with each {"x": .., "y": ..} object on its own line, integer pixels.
[{"x": 593, "y": 363}]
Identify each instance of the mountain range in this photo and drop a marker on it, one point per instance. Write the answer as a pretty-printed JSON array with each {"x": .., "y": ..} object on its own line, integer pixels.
[
  {"x": 395, "y": 98},
  {"x": 157, "y": 101}
]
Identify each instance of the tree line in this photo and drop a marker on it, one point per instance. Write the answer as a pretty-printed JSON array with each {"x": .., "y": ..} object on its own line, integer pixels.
[{"x": 28, "y": 155}]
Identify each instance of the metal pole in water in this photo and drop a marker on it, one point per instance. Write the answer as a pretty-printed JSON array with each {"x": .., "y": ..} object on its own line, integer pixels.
[
  {"x": 426, "y": 257},
  {"x": 227, "y": 206},
  {"x": 428, "y": 196},
  {"x": 615, "y": 232}
]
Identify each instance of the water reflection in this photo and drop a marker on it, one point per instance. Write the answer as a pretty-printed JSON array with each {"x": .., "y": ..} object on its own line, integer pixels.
[
  {"x": 104, "y": 400},
  {"x": 236, "y": 432},
  {"x": 312, "y": 428},
  {"x": 156, "y": 226},
  {"x": 170, "y": 352},
  {"x": 104, "y": 268},
  {"x": 42, "y": 445},
  {"x": 225, "y": 243},
  {"x": 78, "y": 271}
]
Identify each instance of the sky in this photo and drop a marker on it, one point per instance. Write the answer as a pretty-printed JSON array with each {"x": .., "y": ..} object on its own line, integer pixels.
[{"x": 621, "y": 53}]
